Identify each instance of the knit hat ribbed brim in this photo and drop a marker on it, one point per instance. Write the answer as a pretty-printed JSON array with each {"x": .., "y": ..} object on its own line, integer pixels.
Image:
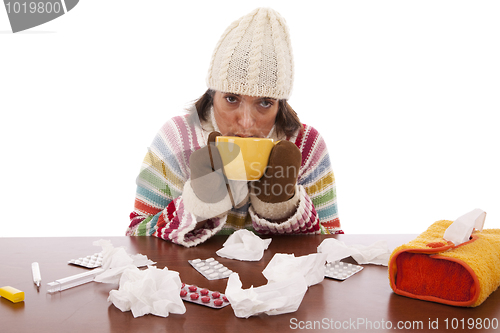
[{"x": 254, "y": 57}]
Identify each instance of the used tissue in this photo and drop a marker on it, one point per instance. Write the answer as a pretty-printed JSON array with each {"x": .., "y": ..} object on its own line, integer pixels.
[
  {"x": 155, "y": 291},
  {"x": 244, "y": 245},
  {"x": 271, "y": 299},
  {"x": 378, "y": 253},
  {"x": 282, "y": 266},
  {"x": 288, "y": 279},
  {"x": 115, "y": 260}
]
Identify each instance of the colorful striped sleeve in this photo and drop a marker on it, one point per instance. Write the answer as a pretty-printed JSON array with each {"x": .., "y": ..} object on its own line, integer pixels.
[
  {"x": 160, "y": 180},
  {"x": 159, "y": 206},
  {"x": 316, "y": 176}
]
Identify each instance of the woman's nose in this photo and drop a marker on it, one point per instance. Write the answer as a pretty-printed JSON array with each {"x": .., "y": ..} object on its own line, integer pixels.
[{"x": 245, "y": 117}]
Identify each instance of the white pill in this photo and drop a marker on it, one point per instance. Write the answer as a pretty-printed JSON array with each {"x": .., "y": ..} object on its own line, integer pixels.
[
  {"x": 228, "y": 272},
  {"x": 223, "y": 269},
  {"x": 218, "y": 266},
  {"x": 209, "y": 271},
  {"x": 215, "y": 262},
  {"x": 210, "y": 259},
  {"x": 200, "y": 264},
  {"x": 204, "y": 268},
  {"x": 214, "y": 275},
  {"x": 196, "y": 261}
]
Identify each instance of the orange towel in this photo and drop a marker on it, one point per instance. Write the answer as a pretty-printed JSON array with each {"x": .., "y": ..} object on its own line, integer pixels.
[{"x": 433, "y": 269}]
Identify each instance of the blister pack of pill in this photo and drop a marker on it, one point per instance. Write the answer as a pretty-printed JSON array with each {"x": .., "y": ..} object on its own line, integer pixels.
[
  {"x": 340, "y": 270},
  {"x": 202, "y": 296},
  {"x": 210, "y": 268},
  {"x": 92, "y": 261}
]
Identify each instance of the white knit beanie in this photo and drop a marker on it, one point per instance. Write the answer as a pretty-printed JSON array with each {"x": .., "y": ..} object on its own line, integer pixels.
[{"x": 254, "y": 57}]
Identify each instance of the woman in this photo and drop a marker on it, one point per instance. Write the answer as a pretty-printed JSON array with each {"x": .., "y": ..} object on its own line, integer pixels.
[{"x": 183, "y": 197}]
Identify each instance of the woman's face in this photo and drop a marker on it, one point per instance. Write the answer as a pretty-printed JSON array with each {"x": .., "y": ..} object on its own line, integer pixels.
[{"x": 245, "y": 116}]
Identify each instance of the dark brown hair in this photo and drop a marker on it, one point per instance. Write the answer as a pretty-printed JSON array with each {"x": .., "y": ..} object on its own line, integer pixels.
[{"x": 287, "y": 122}]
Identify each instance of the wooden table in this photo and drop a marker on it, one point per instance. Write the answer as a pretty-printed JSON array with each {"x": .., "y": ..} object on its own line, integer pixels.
[{"x": 363, "y": 302}]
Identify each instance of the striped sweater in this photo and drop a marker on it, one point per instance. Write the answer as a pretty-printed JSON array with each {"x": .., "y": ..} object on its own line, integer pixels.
[{"x": 163, "y": 186}]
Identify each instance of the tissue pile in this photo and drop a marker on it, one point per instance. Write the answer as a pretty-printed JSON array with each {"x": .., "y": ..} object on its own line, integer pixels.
[
  {"x": 153, "y": 290},
  {"x": 161, "y": 292}
]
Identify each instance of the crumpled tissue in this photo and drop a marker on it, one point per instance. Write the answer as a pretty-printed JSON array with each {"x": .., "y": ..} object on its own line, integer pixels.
[
  {"x": 115, "y": 260},
  {"x": 461, "y": 229},
  {"x": 288, "y": 280},
  {"x": 155, "y": 291},
  {"x": 311, "y": 267},
  {"x": 244, "y": 245},
  {"x": 378, "y": 253}
]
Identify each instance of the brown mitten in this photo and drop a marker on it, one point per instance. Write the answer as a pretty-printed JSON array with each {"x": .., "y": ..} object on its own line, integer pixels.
[
  {"x": 207, "y": 179},
  {"x": 278, "y": 182}
]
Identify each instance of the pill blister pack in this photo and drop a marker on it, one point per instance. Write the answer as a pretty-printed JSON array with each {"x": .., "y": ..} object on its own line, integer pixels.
[
  {"x": 340, "y": 270},
  {"x": 92, "y": 261},
  {"x": 202, "y": 296},
  {"x": 210, "y": 268}
]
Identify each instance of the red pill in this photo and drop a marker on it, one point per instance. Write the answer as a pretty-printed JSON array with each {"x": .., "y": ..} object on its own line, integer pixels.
[
  {"x": 194, "y": 296},
  {"x": 218, "y": 302},
  {"x": 183, "y": 284},
  {"x": 183, "y": 293},
  {"x": 193, "y": 288},
  {"x": 225, "y": 299},
  {"x": 204, "y": 292},
  {"x": 205, "y": 299},
  {"x": 216, "y": 294}
]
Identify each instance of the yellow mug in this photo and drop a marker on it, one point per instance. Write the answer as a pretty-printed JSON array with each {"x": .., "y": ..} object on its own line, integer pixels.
[{"x": 244, "y": 158}]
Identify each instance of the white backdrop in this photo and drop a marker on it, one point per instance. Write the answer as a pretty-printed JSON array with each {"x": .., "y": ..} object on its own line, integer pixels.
[{"x": 406, "y": 94}]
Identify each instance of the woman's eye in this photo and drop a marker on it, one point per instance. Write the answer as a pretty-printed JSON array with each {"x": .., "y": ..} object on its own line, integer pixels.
[
  {"x": 231, "y": 99},
  {"x": 266, "y": 104}
]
